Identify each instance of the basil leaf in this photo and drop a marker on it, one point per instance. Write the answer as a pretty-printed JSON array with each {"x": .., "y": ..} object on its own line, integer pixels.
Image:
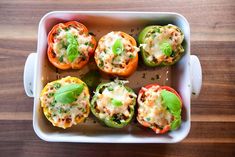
[
  {"x": 116, "y": 102},
  {"x": 68, "y": 93},
  {"x": 166, "y": 48},
  {"x": 176, "y": 123},
  {"x": 72, "y": 49},
  {"x": 172, "y": 102},
  {"x": 72, "y": 52},
  {"x": 117, "y": 47}
]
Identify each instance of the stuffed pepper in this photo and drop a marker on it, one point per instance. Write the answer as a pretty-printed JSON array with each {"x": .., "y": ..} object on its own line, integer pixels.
[
  {"x": 70, "y": 45},
  {"x": 65, "y": 102},
  {"x": 159, "y": 108},
  {"x": 161, "y": 45},
  {"x": 113, "y": 104},
  {"x": 117, "y": 54}
]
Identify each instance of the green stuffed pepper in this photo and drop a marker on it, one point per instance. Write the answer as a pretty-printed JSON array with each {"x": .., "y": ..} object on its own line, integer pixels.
[
  {"x": 161, "y": 45},
  {"x": 113, "y": 103}
]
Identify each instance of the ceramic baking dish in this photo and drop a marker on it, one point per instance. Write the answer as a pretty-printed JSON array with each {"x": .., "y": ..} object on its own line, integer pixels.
[{"x": 185, "y": 76}]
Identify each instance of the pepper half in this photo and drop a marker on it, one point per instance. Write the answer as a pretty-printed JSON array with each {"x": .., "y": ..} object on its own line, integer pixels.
[
  {"x": 117, "y": 54},
  {"x": 113, "y": 104},
  {"x": 161, "y": 45},
  {"x": 70, "y": 45},
  {"x": 65, "y": 102},
  {"x": 159, "y": 108}
]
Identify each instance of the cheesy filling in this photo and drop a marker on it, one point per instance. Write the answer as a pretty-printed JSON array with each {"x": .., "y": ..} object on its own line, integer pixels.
[
  {"x": 60, "y": 113},
  {"x": 107, "y": 60},
  {"x": 170, "y": 34},
  {"x": 151, "y": 109},
  {"x": 114, "y": 91},
  {"x": 60, "y": 44}
]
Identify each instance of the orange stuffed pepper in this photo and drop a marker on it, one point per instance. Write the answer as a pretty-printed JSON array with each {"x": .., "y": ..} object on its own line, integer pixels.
[
  {"x": 159, "y": 108},
  {"x": 70, "y": 45},
  {"x": 117, "y": 54}
]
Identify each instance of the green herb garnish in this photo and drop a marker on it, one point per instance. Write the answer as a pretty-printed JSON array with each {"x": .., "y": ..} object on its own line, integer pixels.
[
  {"x": 173, "y": 104},
  {"x": 57, "y": 85},
  {"x": 68, "y": 93},
  {"x": 110, "y": 88},
  {"x": 176, "y": 123},
  {"x": 117, "y": 47},
  {"x": 131, "y": 56},
  {"x": 61, "y": 58},
  {"x": 166, "y": 48},
  {"x": 116, "y": 102},
  {"x": 72, "y": 49},
  {"x": 50, "y": 95}
]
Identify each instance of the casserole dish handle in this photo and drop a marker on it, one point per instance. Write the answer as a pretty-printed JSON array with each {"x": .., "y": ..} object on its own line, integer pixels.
[
  {"x": 29, "y": 74},
  {"x": 196, "y": 76}
]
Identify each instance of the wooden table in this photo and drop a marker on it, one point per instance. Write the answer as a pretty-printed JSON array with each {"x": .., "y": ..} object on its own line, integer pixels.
[{"x": 213, "y": 113}]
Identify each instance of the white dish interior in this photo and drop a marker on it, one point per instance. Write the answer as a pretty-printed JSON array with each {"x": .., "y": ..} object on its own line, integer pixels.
[{"x": 100, "y": 23}]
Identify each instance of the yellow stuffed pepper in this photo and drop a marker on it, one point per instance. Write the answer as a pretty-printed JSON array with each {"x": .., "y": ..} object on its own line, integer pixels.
[{"x": 65, "y": 102}]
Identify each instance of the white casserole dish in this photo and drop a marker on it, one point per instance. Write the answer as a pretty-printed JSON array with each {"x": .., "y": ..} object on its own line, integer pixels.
[{"x": 185, "y": 76}]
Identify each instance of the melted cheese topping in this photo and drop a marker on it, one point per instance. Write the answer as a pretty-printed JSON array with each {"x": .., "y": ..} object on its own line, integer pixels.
[
  {"x": 151, "y": 109},
  {"x": 60, "y": 44},
  {"x": 170, "y": 34},
  {"x": 117, "y": 91},
  {"x": 107, "y": 60},
  {"x": 60, "y": 113}
]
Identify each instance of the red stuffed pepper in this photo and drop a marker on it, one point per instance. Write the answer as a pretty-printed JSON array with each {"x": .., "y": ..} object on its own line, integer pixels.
[{"x": 159, "y": 108}]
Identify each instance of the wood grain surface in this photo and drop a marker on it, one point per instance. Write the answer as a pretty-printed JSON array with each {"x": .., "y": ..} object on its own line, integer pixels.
[{"x": 212, "y": 132}]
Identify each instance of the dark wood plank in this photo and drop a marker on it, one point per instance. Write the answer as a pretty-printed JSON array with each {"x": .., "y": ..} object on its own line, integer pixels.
[
  {"x": 40, "y": 148},
  {"x": 209, "y": 20}
]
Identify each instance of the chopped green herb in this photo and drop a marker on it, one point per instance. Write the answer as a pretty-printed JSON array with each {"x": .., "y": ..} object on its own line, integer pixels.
[
  {"x": 48, "y": 115},
  {"x": 86, "y": 43},
  {"x": 173, "y": 54},
  {"x": 57, "y": 85},
  {"x": 91, "y": 45},
  {"x": 83, "y": 110},
  {"x": 131, "y": 56},
  {"x": 50, "y": 95},
  {"x": 158, "y": 30},
  {"x": 61, "y": 58},
  {"x": 52, "y": 104},
  {"x": 148, "y": 119},
  {"x": 101, "y": 63},
  {"x": 110, "y": 88},
  {"x": 61, "y": 110}
]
